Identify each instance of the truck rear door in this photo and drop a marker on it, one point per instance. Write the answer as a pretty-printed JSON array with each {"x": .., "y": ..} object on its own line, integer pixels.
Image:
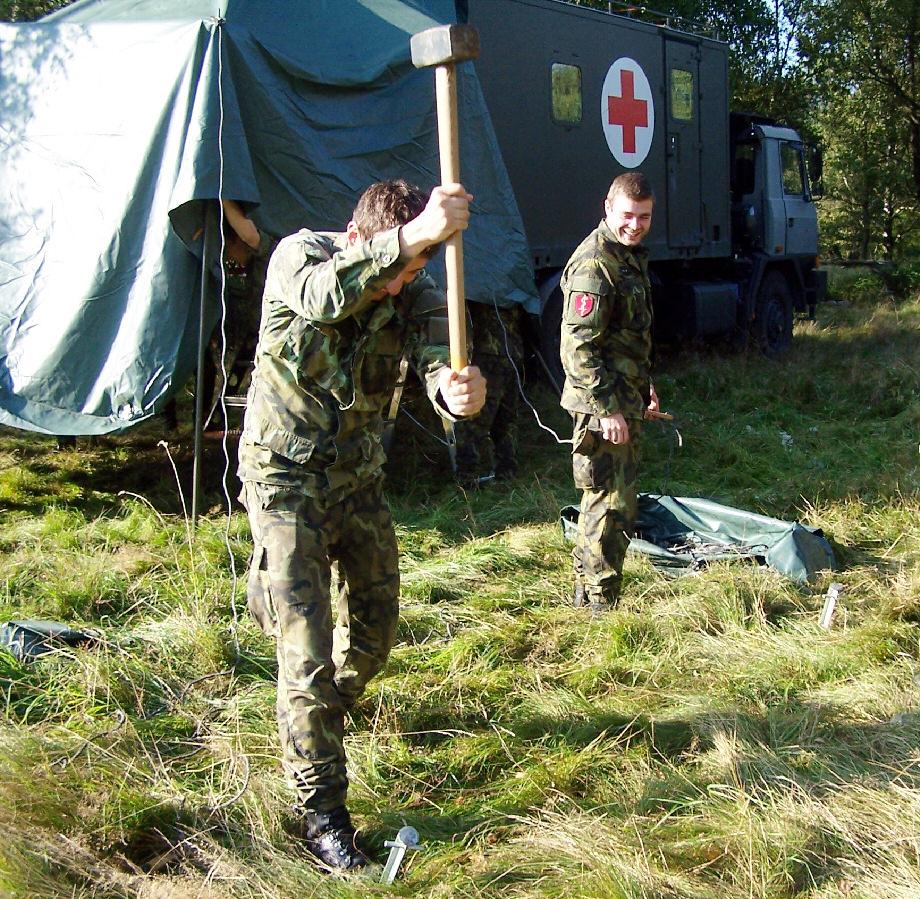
[{"x": 682, "y": 144}]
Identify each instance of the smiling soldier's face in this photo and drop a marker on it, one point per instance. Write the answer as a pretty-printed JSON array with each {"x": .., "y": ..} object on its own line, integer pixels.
[{"x": 629, "y": 220}]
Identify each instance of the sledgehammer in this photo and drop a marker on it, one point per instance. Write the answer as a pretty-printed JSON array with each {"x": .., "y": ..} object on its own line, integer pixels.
[{"x": 443, "y": 47}]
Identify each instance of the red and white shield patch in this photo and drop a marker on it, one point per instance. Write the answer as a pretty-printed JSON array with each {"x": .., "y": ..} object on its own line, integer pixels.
[{"x": 584, "y": 303}]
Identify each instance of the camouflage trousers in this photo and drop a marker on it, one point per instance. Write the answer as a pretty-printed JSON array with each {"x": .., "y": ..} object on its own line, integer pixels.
[
  {"x": 323, "y": 665},
  {"x": 607, "y": 475},
  {"x": 492, "y": 432}
]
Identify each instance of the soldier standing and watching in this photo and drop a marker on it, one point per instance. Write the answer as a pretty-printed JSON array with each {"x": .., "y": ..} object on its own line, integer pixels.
[
  {"x": 337, "y": 314},
  {"x": 606, "y": 355}
]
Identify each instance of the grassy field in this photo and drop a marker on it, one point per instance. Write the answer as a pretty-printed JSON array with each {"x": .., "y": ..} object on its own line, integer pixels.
[{"x": 706, "y": 739}]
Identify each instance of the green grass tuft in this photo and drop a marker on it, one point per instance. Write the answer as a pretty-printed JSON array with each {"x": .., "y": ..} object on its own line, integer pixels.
[{"x": 705, "y": 740}]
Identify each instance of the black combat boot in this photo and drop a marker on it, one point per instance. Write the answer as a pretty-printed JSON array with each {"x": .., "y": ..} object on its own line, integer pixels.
[
  {"x": 596, "y": 604},
  {"x": 330, "y": 836}
]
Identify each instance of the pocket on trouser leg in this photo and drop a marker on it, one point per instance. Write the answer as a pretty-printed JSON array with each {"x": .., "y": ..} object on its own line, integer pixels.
[
  {"x": 259, "y": 593},
  {"x": 584, "y": 444},
  {"x": 593, "y": 462},
  {"x": 594, "y": 471}
]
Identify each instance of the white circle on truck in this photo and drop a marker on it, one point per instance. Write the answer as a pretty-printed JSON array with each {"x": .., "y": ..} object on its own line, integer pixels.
[{"x": 627, "y": 112}]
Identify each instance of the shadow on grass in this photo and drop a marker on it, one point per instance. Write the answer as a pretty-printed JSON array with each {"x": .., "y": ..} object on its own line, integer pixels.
[
  {"x": 90, "y": 477},
  {"x": 800, "y": 748}
]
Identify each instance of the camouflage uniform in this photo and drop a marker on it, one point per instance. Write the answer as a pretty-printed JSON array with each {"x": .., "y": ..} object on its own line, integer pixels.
[
  {"x": 498, "y": 349},
  {"x": 311, "y": 465},
  {"x": 605, "y": 350}
]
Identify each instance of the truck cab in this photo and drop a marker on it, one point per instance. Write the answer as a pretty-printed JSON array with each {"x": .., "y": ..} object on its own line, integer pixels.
[
  {"x": 770, "y": 185},
  {"x": 774, "y": 227}
]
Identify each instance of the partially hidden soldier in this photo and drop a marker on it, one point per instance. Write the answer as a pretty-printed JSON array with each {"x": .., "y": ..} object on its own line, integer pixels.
[
  {"x": 246, "y": 254},
  {"x": 246, "y": 251},
  {"x": 339, "y": 311},
  {"x": 606, "y": 355},
  {"x": 498, "y": 350}
]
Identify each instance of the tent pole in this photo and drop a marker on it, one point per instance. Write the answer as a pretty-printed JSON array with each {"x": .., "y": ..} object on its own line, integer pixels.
[{"x": 202, "y": 349}]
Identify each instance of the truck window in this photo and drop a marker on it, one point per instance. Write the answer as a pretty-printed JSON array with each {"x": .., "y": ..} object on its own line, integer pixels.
[
  {"x": 566, "y": 93},
  {"x": 793, "y": 178},
  {"x": 682, "y": 95}
]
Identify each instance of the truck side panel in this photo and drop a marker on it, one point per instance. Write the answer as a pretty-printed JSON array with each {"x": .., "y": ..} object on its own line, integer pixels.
[
  {"x": 561, "y": 165},
  {"x": 715, "y": 146}
]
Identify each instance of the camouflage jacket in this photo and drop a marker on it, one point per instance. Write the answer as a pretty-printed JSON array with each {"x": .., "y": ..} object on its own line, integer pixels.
[
  {"x": 328, "y": 359},
  {"x": 606, "y": 327}
]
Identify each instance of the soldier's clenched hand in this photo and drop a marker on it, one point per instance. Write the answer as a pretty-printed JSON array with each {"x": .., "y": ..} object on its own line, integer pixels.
[
  {"x": 447, "y": 211},
  {"x": 615, "y": 429},
  {"x": 463, "y": 392}
]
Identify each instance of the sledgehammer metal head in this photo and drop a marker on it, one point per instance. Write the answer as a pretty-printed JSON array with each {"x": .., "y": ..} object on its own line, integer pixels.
[{"x": 444, "y": 45}]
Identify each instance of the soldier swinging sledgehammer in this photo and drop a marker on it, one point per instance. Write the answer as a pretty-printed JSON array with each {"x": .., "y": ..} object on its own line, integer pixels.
[
  {"x": 339, "y": 311},
  {"x": 311, "y": 464}
]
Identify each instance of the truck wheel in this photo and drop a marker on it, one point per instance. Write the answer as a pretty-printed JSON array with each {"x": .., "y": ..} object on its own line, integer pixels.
[
  {"x": 772, "y": 326},
  {"x": 550, "y": 336}
]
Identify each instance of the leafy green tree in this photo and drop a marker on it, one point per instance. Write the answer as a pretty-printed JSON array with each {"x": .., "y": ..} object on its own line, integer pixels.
[
  {"x": 869, "y": 48},
  {"x": 28, "y": 10},
  {"x": 870, "y": 209}
]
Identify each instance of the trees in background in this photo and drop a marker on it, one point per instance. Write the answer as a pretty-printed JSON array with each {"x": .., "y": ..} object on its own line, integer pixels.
[
  {"x": 870, "y": 209},
  {"x": 862, "y": 59}
]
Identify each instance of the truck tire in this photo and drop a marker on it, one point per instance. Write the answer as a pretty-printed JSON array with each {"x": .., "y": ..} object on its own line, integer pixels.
[
  {"x": 772, "y": 326},
  {"x": 550, "y": 337}
]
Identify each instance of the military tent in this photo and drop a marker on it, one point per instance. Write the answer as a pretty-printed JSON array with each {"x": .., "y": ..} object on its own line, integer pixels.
[{"x": 122, "y": 119}]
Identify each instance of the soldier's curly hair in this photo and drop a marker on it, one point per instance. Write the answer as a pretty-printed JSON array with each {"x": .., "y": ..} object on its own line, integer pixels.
[
  {"x": 633, "y": 185},
  {"x": 386, "y": 204}
]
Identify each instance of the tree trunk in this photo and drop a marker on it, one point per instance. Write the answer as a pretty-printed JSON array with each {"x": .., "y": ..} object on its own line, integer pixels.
[
  {"x": 865, "y": 225},
  {"x": 888, "y": 237}
]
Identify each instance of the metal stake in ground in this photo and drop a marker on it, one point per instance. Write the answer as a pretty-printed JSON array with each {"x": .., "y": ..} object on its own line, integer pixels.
[
  {"x": 406, "y": 839},
  {"x": 443, "y": 47}
]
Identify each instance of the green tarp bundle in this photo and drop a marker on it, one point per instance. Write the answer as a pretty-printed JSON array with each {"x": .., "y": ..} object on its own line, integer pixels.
[
  {"x": 683, "y": 534},
  {"x": 122, "y": 121}
]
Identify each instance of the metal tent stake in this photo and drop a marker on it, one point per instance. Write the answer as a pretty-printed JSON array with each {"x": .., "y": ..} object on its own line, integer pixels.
[
  {"x": 406, "y": 840},
  {"x": 830, "y": 603}
]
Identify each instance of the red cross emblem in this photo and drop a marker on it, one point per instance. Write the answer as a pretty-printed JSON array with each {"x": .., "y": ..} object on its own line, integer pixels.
[
  {"x": 626, "y": 111},
  {"x": 584, "y": 303}
]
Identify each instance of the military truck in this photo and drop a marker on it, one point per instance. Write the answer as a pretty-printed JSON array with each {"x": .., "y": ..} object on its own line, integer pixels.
[{"x": 578, "y": 96}]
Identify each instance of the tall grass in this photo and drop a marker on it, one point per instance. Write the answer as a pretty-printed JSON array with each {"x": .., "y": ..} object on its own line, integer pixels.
[{"x": 706, "y": 739}]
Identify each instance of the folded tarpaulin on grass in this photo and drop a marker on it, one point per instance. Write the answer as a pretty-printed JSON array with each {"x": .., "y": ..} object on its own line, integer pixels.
[
  {"x": 26, "y": 640},
  {"x": 684, "y": 534}
]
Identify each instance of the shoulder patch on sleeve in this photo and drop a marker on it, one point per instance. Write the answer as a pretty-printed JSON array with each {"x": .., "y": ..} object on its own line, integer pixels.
[{"x": 583, "y": 304}]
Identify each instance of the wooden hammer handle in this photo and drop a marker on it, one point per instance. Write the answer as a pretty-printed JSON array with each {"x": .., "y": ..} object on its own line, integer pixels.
[{"x": 449, "y": 145}]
